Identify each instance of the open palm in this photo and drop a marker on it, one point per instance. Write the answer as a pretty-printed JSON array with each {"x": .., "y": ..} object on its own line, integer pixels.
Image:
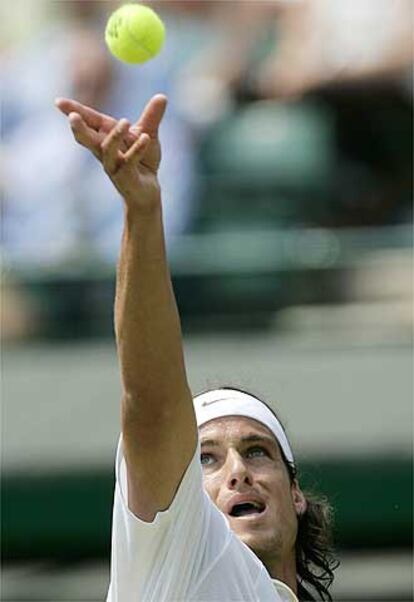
[{"x": 129, "y": 154}]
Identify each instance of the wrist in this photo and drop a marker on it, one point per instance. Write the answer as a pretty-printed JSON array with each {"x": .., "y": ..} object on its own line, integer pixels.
[
  {"x": 142, "y": 217},
  {"x": 142, "y": 209},
  {"x": 143, "y": 236}
]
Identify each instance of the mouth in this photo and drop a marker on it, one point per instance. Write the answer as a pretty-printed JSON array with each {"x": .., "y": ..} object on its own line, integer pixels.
[{"x": 249, "y": 509}]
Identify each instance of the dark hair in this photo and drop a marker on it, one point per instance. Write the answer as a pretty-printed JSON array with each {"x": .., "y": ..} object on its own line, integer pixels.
[{"x": 315, "y": 557}]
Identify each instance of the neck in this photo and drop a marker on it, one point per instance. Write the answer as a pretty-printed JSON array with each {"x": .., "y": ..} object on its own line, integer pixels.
[{"x": 283, "y": 569}]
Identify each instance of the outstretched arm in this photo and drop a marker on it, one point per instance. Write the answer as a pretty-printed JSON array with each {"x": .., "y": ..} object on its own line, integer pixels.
[{"x": 158, "y": 423}]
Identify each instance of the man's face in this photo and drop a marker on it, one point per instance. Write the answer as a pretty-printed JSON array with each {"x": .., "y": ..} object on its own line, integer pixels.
[{"x": 246, "y": 477}]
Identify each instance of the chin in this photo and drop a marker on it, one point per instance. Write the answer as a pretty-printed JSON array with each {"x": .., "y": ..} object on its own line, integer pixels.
[{"x": 260, "y": 543}]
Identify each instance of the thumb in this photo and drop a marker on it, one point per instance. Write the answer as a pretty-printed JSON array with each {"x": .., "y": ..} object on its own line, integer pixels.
[{"x": 151, "y": 116}]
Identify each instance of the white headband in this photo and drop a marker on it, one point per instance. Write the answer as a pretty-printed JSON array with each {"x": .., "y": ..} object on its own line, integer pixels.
[{"x": 230, "y": 402}]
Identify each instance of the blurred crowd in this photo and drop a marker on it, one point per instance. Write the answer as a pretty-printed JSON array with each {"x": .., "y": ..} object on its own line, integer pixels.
[
  {"x": 58, "y": 206},
  {"x": 283, "y": 113}
]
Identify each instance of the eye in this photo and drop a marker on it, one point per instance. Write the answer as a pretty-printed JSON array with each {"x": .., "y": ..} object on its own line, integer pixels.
[
  {"x": 256, "y": 452},
  {"x": 207, "y": 459}
]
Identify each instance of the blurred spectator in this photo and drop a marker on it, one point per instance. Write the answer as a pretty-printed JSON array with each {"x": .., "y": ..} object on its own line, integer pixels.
[
  {"x": 356, "y": 59},
  {"x": 58, "y": 206},
  {"x": 350, "y": 59},
  {"x": 330, "y": 42},
  {"x": 214, "y": 81}
]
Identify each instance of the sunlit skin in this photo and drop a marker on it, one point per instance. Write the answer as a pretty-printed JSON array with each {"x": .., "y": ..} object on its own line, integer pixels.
[{"x": 242, "y": 462}]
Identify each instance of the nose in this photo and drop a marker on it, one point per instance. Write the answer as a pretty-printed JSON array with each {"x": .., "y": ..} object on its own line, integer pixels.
[{"x": 238, "y": 473}]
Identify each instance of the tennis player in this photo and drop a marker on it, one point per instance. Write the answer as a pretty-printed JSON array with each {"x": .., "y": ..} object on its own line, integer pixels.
[{"x": 207, "y": 505}]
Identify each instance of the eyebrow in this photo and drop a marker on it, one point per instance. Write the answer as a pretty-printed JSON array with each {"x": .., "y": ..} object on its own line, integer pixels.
[{"x": 252, "y": 438}]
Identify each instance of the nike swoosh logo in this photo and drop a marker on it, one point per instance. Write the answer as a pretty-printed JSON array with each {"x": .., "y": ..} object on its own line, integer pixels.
[{"x": 208, "y": 403}]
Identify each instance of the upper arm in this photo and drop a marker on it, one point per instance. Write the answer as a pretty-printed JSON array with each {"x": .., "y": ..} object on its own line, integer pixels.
[{"x": 158, "y": 447}]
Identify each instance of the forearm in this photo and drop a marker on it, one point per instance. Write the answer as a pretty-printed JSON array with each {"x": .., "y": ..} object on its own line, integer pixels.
[{"x": 147, "y": 324}]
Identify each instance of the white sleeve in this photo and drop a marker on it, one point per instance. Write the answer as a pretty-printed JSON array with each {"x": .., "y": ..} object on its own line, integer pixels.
[{"x": 161, "y": 560}]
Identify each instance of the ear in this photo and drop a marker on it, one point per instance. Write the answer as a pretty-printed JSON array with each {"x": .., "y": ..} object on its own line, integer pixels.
[{"x": 299, "y": 499}]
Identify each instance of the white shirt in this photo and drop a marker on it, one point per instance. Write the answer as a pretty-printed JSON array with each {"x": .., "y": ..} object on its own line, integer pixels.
[{"x": 188, "y": 553}]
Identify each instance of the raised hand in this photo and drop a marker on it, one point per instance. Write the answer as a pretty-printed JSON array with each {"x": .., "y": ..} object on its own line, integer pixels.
[{"x": 130, "y": 154}]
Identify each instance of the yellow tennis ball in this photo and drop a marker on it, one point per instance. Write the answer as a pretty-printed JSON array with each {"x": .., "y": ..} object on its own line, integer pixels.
[{"x": 134, "y": 33}]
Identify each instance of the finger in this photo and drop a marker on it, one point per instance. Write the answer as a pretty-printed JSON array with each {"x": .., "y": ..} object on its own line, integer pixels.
[
  {"x": 86, "y": 136},
  {"x": 137, "y": 151},
  {"x": 111, "y": 146},
  {"x": 135, "y": 131},
  {"x": 93, "y": 118},
  {"x": 98, "y": 121},
  {"x": 152, "y": 115}
]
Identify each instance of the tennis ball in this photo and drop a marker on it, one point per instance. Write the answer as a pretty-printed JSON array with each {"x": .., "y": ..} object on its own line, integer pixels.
[{"x": 134, "y": 33}]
